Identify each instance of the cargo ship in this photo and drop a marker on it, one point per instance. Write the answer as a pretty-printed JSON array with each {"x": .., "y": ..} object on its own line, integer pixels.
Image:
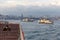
[
  {"x": 45, "y": 21},
  {"x": 11, "y": 31}
]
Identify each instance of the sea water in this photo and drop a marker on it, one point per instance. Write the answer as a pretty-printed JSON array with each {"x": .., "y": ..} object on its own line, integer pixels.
[{"x": 36, "y": 31}]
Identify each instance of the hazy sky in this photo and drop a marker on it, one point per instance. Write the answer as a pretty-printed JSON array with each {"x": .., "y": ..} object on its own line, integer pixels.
[
  {"x": 11, "y": 3},
  {"x": 30, "y": 7}
]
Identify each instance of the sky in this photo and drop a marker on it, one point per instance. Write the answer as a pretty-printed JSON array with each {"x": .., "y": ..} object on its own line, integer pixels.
[
  {"x": 12, "y": 3},
  {"x": 30, "y": 7}
]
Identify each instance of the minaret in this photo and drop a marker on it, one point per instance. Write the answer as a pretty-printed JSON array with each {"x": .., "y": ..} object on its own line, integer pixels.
[{"x": 21, "y": 16}]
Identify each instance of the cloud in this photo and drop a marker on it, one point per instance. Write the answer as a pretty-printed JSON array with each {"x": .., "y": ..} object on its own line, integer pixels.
[
  {"x": 29, "y": 7},
  {"x": 31, "y": 10},
  {"x": 43, "y": 3},
  {"x": 13, "y": 3}
]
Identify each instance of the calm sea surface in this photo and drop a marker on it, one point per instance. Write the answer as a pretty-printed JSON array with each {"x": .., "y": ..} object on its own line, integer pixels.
[{"x": 36, "y": 31}]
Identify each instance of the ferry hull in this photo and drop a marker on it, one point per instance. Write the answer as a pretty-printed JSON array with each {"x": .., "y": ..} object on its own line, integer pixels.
[{"x": 44, "y": 23}]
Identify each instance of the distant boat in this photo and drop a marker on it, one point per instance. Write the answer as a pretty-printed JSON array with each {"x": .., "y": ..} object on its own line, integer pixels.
[
  {"x": 45, "y": 21},
  {"x": 27, "y": 20},
  {"x": 10, "y": 31}
]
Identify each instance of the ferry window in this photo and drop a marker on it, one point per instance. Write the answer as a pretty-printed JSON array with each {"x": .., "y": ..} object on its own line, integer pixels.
[{"x": 6, "y": 28}]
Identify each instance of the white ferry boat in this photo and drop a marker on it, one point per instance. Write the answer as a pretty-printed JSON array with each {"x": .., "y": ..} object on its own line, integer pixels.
[
  {"x": 27, "y": 20},
  {"x": 45, "y": 21}
]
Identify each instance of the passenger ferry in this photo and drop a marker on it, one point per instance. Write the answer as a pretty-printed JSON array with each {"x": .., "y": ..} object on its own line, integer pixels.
[
  {"x": 45, "y": 21},
  {"x": 11, "y": 31},
  {"x": 27, "y": 20}
]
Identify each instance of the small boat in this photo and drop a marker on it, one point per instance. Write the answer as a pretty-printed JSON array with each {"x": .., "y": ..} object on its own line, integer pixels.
[
  {"x": 45, "y": 21},
  {"x": 27, "y": 20},
  {"x": 10, "y": 31}
]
